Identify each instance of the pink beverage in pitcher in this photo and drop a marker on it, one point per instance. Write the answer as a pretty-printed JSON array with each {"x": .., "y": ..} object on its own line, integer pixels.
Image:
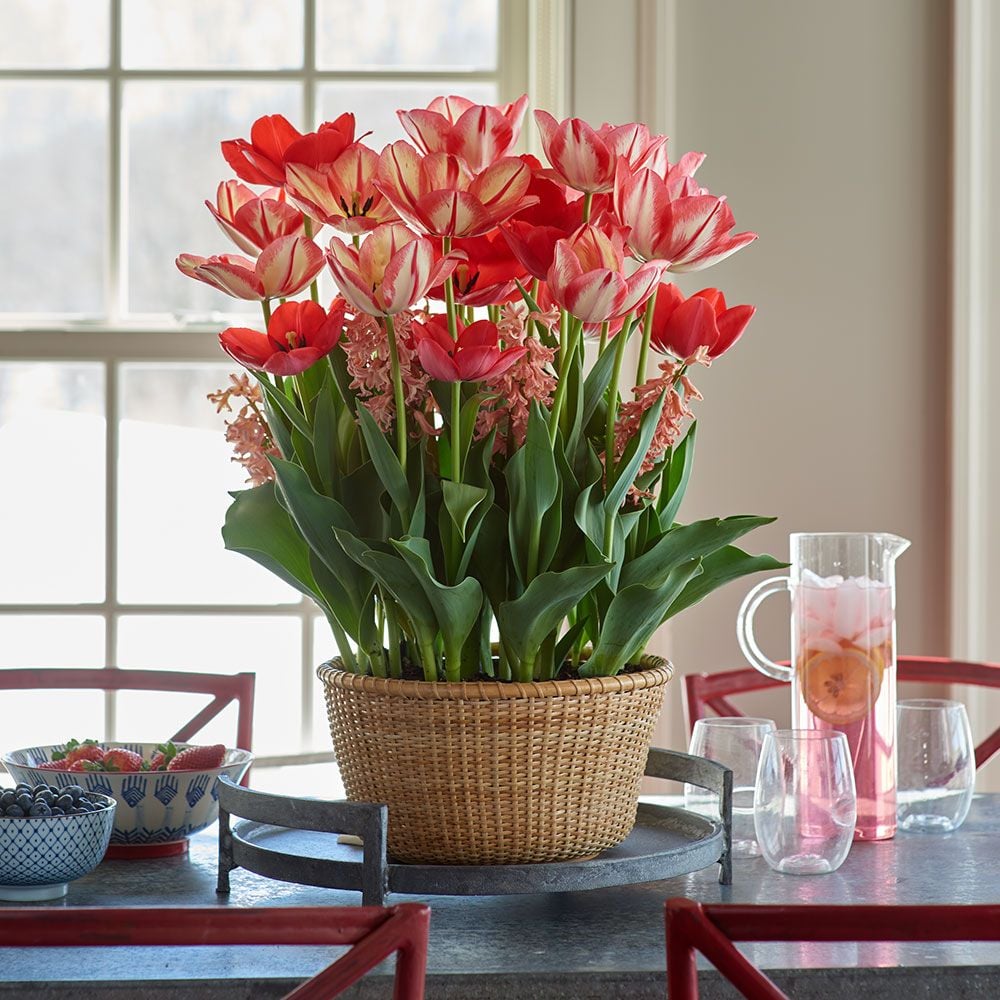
[{"x": 843, "y": 672}]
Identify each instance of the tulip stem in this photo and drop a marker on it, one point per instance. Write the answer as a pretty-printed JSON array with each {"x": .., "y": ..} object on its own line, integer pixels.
[
  {"x": 449, "y": 293},
  {"x": 456, "y": 431},
  {"x": 397, "y": 388},
  {"x": 604, "y": 336},
  {"x": 570, "y": 342},
  {"x": 265, "y": 306},
  {"x": 307, "y": 229},
  {"x": 621, "y": 342},
  {"x": 587, "y": 199},
  {"x": 647, "y": 331}
]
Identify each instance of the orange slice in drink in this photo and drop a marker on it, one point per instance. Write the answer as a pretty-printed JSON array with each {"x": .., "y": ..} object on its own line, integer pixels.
[{"x": 840, "y": 687}]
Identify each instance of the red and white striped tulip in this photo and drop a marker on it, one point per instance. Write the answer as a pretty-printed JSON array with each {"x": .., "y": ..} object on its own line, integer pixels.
[
  {"x": 479, "y": 133},
  {"x": 298, "y": 335},
  {"x": 682, "y": 327},
  {"x": 584, "y": 158},
  {"x": 342, "y": 193},
  {"x": 392, "y": 270},
  {"x": 688, "y": 232},
  {"x": 587, "y": 276},
  {"x": 254, "y": 221},
  {"x": 283, "y": 269},
  {"x": 440, "y": 196}
]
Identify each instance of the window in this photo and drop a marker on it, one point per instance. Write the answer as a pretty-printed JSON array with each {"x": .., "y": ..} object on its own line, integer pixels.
[{"x": 115, "y": 467}]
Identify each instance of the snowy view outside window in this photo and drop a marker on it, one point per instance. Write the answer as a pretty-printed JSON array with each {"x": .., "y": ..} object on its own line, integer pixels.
[{"x": 115, "y": 472}]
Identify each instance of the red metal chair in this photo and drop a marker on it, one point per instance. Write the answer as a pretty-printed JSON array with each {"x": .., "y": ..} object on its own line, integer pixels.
[
  {"x": 712, "y": 930},
  {"x": 713, "y": 691},
  {"x": 374, "y": 932},
  {"x": 225, "y": 688}
]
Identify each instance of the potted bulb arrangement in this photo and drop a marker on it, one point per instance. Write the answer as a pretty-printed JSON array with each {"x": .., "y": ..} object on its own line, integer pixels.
[{"x": 441, "y": 458}]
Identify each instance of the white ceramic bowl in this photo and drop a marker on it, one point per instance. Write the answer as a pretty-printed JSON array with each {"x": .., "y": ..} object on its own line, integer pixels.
[
  {"x": 41, "y": 855},
  {"x": 157, "y": 810}
]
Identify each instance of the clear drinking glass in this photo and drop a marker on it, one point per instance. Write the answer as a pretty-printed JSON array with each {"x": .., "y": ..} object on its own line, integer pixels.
[
  {"x": 805, "y": 805},
  {"x": 937, "y": 765},
  {"x": 735, "y": 742}
]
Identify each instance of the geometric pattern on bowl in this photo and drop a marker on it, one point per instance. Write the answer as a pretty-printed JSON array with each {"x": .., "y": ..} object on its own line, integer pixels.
[
  {"x": 154, "y": 807},
  {"x": 45, "y": 850}
]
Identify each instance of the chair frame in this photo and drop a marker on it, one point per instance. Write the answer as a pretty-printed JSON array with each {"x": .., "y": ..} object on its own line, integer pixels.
[
  {"x": 713, "y": 691},
  {"x": 374, "y": 932},
  {"x": 226, "y": 688},
  {"x": 712, "y": 929}
]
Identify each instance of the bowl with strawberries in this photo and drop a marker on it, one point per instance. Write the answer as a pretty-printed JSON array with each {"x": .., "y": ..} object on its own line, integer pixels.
[{"x": 165, "y": 792}]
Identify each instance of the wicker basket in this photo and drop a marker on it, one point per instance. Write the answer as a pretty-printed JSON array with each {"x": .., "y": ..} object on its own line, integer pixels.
[{"x": 496, "y": 773}]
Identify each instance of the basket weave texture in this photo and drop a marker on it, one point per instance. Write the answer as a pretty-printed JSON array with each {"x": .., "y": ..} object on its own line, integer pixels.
[{"x": 493, "y": 772}]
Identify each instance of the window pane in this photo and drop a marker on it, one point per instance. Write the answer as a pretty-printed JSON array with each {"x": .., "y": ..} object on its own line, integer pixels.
[
  {"x": 51, "y": 641},
  {"x": 41, "y": 718},
  {"x": 375, "y": 104},
  {"x": 53, "y": 34},
  {"x": 52, "y": 501},
  {"x": 174, "y": 474},
  {"x": 431, "y": 34},
  {"x": 172, "y": 134},
  {"x": 212, "y": 34},
  {"x": 53, "y": 166},
  {"x": 270, "y": 647},
  {"x": 316, "y": 781}
]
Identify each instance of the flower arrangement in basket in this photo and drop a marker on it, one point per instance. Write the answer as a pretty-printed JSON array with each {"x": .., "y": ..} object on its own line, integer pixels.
[{"x": 433, "y": 461}]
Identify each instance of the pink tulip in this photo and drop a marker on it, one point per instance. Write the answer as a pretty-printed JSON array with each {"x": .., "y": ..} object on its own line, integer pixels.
[
  {"x": 261, "y": 160},
  {"x": 254, "y": 222},
  {"x": 587, "y": 276},
  {"x": 342, "y": 193},
  {"x": 283, "y": 269},
  {"x": 682, "y": 326},
  {"x": 585, "y": 159},
  {"x": 689, "y": 231},
  {"x": 393, "y": 268},
  {"x": 299, "y": 334},
  {"x": 473, "y": 357},
  {"x": 479, "y": 133},
  {"x": 439, "y": 196}
]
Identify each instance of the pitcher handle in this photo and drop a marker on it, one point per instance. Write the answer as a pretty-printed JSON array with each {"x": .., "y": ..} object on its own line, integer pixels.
[{"x": 744, "y": 628}]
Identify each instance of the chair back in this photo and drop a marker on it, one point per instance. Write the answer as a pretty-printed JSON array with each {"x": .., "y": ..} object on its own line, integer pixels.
[
  {"x": 374, "y": 933},
  {"x": 713, "y": 691}
]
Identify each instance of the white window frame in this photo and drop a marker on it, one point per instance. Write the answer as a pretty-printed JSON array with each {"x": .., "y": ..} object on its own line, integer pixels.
[{"x": 527, "y": 59}]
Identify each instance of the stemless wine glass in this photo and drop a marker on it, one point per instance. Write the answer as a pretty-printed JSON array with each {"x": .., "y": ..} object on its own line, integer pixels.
[
  {"x": 806, "y": 804},
  {"x": 735, "y": 742},
  {"x": 937, "y": 765}
]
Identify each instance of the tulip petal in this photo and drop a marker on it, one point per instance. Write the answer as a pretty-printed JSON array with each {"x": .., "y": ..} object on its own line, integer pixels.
[
  {"x": 407, "y": 276},
  {"x": 731, "y": 325},
  {"x": 288, "y": 265},
  {"x": 250, "y": 348},
  {"x": 453, "y": 213},
  {"x": 436, "y": 361},
  {"x": 428, "y": 129},
  {"x": 293, "y": 362},
  {"x": 595, "y": 296}
]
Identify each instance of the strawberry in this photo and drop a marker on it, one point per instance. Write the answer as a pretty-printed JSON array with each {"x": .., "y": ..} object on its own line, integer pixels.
[
  {"x": 75, "y": 750},
  {"x": 119, "y": 759},
  {"x": 80, "y": 765},
  {"x": 198, "y": 758},
  {"x": 165, "y": 753},
  {"x": 52, "y": 765}
]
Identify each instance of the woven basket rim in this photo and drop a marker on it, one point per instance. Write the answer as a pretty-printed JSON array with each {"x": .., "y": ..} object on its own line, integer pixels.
[{"x": 655, "y": 671}]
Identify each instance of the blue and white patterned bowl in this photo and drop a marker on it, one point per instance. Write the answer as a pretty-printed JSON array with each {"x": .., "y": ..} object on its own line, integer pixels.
[
  {"x": 40, "y": 855},
  {"x": 155, "y": 808}
]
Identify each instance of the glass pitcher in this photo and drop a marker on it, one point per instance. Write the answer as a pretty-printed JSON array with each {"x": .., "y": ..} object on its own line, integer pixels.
[{"x": 843, "y": 665}]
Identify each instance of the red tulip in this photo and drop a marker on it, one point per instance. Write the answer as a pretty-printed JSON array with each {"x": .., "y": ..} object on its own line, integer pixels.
[
  {"x": 479, "y": 133},
  {"x": 475, "y": 356},
  {"x": 342, "y": 193},
  {"x": 314, "y": 149},
  {"x": 439, "y": 196},
  {"x": 689, "y": 230},
  {"x": 298, "y": 335},
  {"x": 486, "y": 272},
  {"x": 682, "y": 326},
  {"x": 261, "y": 160},
  {"x": 587, "y": 275},
  {"x": 284, "y": 268},
  {"x": 254, "y": 222},
  {"x": 393, "y": 268},
  {"x": 585, "y": 159}
]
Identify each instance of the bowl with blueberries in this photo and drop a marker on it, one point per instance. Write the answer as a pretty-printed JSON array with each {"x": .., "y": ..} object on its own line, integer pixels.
[{"x": 49, "y": 836}]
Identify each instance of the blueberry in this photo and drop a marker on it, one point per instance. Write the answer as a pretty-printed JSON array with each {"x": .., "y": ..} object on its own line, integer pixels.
[
  {"x": 83, "y": 806},
  {"x": 14, "y": 810},
  {"x": 45, "y": 796},
  {"x": 54, "y": 789},
  {"x": 7, "y": 798},
  {"x": 65, "y": 802},
  {"x": 56, "y": 811},
  {"x": 40, "y": 809},
  {"x": 75, "y": 790},
  {"x": 22, "y": 787},
  {"x": 25, "y": 801}
]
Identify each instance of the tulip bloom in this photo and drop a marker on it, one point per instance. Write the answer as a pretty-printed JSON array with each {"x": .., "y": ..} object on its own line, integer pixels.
[
  {"x": 314, "y": 149},
  {"x": 688, "y": 232},
  {"x": 283, "y": 269},
  {"x": 342, "y": 193},
  {"x": 479, "y": 133},
  {"x": 393, "y": 268},
  {"x": 474, "y": 356},
  {"x": 587, "y": 276},
  {"x": 254, "y": 222},
  {"x": 439, "y": 196},
  {"x": 682, "y": 326},
  {"x": 298, "y": 335},
  {"x": 486, "y": 272},
  {"x": 585, "y": 159},
  {"x": 261, "y": 160}
]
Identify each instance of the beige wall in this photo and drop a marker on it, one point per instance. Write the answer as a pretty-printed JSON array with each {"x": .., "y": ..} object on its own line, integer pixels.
[{"x": 828, "y": 126}]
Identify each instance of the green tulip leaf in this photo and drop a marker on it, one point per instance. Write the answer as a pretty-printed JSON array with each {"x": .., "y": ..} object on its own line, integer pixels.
[
  {"x": 635, "y": 455},
  {"x": 675, "y": 478},
  {"x": 386, "y": 462},
  {"x": 461, "y": 500},
  {"x": 719, "y": 568}
]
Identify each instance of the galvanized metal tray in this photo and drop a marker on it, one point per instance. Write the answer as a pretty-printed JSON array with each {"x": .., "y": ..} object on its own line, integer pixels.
[{"x": 295, "y": 840}]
